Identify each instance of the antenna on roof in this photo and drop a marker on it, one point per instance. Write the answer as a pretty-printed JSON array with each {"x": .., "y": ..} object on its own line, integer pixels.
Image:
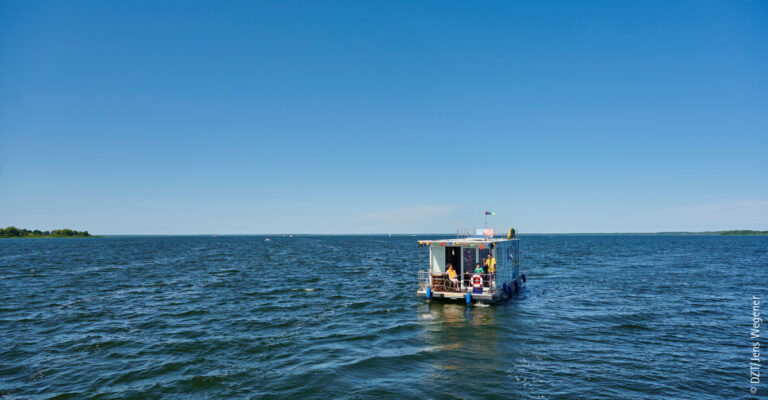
[{"x": 487, "y": 213}]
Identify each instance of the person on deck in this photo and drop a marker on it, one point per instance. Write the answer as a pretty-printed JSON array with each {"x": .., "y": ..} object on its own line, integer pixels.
[
  {"x": 479, "y": 269},
  {"x": 490, "y": 265},
  {"x": 452, "y": 276}
]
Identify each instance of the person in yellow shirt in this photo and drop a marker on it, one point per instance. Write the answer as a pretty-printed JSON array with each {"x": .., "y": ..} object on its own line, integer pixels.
[
  {"x": 452, "y": 276},
  {"x": 490, "y": 266}
]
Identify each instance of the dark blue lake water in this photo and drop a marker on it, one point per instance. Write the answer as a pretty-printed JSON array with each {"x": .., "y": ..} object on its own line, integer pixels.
[{"x": 613, "y": 316}]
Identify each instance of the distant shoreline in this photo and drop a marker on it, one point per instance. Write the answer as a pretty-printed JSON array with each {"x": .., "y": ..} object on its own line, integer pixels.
[
  {"x": 705, "y": 233},
  {"x": 53, "y": 237},
  {"x": 13, "y": 232},
  {"x": 75, "y": 234},
  {"x": 447, "y": 234}
]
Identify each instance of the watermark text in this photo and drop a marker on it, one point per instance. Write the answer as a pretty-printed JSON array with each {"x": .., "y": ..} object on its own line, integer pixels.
[{"x": 754, "y": 338}]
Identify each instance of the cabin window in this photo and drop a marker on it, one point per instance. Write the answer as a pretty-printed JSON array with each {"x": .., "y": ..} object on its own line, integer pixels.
[
  {"x": 503, "y": 255},
  {"x": 470, "y": 258},
  {"x": 436, "y": 260},
  {"x": 516, "y": 244}
]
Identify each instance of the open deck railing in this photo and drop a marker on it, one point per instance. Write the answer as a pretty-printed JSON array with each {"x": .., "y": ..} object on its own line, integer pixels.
[
  {"x": 425, "y": 280},
  {"x": 439, "y": 283}
]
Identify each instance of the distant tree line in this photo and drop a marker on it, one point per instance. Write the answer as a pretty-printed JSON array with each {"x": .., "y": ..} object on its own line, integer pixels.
[
  {"x": 745, "y": 232},
  {"x": 12, "y": 231}
]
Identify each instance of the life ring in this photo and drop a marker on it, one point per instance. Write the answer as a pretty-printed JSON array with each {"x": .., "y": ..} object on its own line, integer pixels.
[{"x": 477, "y": 281}]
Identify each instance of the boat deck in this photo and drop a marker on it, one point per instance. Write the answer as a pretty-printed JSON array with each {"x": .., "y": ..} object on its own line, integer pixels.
[{"x": 485, "y": 298}]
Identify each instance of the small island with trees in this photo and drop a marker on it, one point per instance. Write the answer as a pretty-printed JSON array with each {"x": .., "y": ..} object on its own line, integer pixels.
[{"x": 14, "y": 232}]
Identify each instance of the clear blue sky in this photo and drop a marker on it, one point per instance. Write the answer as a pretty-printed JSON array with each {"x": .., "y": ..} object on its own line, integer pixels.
[{"x": 362, "y": 117}]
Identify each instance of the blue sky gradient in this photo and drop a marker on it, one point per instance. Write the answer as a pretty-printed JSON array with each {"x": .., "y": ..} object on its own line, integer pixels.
[{"x": 365, "y": 117}]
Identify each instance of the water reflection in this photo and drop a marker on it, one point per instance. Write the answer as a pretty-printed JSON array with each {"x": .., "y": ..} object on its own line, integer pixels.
[{"x": 466, "y": 342}]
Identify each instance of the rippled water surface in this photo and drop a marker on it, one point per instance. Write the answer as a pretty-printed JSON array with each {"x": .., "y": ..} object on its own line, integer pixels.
[{"x": 613, "y": 316}]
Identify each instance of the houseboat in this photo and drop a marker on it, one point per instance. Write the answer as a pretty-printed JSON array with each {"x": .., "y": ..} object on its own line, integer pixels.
[{"x": 478, "y": 268}]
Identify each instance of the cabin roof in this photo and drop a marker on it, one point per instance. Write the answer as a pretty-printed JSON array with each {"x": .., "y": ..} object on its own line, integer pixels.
[{"x": 467, "y": 241}]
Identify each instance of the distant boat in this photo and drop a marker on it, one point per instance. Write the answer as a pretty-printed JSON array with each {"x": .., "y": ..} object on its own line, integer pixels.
[{"x": 266, "y": 239}]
